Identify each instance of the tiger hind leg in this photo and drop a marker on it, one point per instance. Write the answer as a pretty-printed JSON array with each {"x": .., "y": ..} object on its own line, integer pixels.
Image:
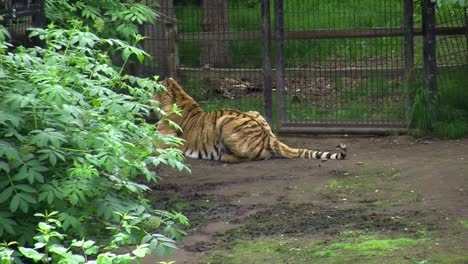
[{"x": 230, "y": 158}]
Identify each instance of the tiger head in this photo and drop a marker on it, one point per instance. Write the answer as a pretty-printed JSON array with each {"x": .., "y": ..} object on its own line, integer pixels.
[
  {"x": 172, "y": 94},
  {"x": 165, "y": 96}
]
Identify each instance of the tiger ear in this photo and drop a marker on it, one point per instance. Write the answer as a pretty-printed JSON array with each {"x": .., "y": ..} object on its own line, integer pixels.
[{"x": 167, "y": 82}]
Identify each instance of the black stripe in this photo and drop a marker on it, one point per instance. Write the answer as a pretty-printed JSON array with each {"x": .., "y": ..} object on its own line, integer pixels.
[
  {"x": 227, "y": 121},
  {"x": 216, "y": 150},
  {"x": 261, "y": 148},
  {"x": 186, "y": 120},
  {"x": 240, "y": 126},
  {"x": 194, "y": 122},
  {"x": 190, "y": 108},
  {"x": 329, "y": 155},
  {"x": 319, "y": 155},
  {"x": 200, "y": 155},
  {"x": 204, "y": 150},
  {"x": 302, "y": 151},
  {"x": 215, "y": 118}
]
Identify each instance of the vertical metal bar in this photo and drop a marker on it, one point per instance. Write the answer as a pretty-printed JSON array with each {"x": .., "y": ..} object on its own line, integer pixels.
[
  {"x": 429, "y": 46},
  {"x": 408, "y": 33},
  {"x": 266, "y": 62},
  {"x": 39, "y": 20},
  {"x": 279, "y": 37},
  {"x": 466, "y": 31},
  {"x": 408, "y": 38}
]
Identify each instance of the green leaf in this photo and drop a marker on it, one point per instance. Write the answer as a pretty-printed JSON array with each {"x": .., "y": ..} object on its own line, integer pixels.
[
  {"x": 39, "y": 245},
  {"x": 25, "y": 188},
  {"x": 6, "y": 194},
  {"x": 15, "y": 203},
  {"x": 8, "y": 151},
  {"x": 28, "y": 198},
  {"x": 7, "y": 224},
  {"x": 31, "y": 253},
  {"x": 4, "y": 167},
  {"x": 73, "y": 198},
  {"x": 141, "y": 251},
  {"x": 60, "y": 250}
]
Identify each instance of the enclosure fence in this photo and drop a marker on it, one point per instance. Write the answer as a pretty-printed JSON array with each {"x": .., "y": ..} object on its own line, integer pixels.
[
  {"x": 19, "y": 15},
  {"x": 310, "y": 66}
]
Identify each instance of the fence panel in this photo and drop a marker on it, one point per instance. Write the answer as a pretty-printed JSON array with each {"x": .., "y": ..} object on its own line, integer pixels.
[
  {"x": 344, "y": 64},
  {"x": 18, "y": 16}
]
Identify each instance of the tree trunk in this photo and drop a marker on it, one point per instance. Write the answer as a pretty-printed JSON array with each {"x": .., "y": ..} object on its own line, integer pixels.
[
  {"x": 161, "y": 42},
  {"x": 215, "y": 18}
]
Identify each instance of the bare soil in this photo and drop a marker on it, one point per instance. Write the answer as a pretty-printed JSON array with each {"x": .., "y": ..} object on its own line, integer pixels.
[{"x": 405, "y": 182}]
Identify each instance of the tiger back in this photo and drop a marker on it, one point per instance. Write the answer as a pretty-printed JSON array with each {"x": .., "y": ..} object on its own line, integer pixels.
[{"x": 226, "y": 134}]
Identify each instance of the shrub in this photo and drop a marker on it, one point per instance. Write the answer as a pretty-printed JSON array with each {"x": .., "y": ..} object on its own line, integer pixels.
[{"x": 70, "y": 143}]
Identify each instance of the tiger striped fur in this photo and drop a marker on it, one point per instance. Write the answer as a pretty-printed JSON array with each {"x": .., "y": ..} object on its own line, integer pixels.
[{"x": 225, "y": 134}]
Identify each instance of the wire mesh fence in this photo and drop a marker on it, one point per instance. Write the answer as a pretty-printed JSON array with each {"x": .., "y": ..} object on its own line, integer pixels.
[
  {"x": 344, "y": 60},
  {"x": 350, "y": 60},
  {"x": 19, "y": 15}
]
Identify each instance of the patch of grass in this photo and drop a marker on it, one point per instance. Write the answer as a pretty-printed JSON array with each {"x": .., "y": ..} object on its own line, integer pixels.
[
  {"x": 361, "y": 248},
  {"x": 314, "y": 14},
  {"x": 445, "y": 114},
  {"x": 463, "y": 223},
  {"x": 365, "y": 247},
  {"x": 373, "y": 186},
  {"x": 451, "y": 113}
]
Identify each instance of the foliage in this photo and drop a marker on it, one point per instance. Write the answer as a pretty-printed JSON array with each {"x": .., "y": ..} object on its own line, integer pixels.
[
  {"x": 107, "y": 18},
  {"x": 69, "y": 142},
  {"x": 51, "y": 247},
  {"x": 444, "y": 114},
  {"x": 460, "y": 3},
  {"x": 422, "y": 108}
]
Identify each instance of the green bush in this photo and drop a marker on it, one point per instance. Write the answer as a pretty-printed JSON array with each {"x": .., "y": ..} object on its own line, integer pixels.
[
  {"x": 69, "y": 142},
  {"x": 109, "y": 18},
  {"x": 52, "y": 246}
]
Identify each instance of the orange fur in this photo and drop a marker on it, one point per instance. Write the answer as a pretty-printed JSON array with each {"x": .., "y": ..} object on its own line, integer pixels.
[{"x": 226, "y": 134}]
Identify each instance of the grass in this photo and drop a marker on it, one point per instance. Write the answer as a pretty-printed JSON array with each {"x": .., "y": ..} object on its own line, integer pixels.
[
  {"x": 366, "y": 100},
  {"x": 363, "y": 248},
  {"x": 244, "y": 15},
  {"x": 373, "y": 186},
  {"x": 370, "y": 99},
  {"x": 446, "y": 113},
  {"x": 463, "y": 223}
]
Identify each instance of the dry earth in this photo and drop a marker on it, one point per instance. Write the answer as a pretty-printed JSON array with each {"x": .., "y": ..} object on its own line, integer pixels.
[{"x": 416, "y": 181}]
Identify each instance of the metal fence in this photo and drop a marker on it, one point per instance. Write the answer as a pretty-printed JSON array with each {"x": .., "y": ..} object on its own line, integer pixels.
[
  {"x": 345, "y": 62},
  {"x": 19, "y": 15}
]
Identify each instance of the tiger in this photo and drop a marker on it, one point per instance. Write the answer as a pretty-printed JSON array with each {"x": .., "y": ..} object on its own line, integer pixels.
[{"x": 227, "y": 135}]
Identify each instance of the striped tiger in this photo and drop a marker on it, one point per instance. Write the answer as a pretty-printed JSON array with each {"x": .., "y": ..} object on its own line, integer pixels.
[{"x": 225, "y": 134}]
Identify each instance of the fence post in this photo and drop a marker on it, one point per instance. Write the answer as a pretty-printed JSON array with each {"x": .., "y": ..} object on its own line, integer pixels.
[
  {"x": 161, "y": 44},
  {"x": 215, "y": 18},
  {"x": 279, "y": 40},
  {"x": 429, "y": 46},
  {"x": 266, "y": 62},
  {"x": 408, "y": 35},
  {"x": 466, "y": 30}
]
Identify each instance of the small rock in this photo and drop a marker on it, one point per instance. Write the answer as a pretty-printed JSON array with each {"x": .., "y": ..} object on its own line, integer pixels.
[{"x": 359, "y": 163}]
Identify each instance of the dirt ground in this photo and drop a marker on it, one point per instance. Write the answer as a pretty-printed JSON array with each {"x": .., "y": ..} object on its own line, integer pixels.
[{"x": 392, "y": 189}]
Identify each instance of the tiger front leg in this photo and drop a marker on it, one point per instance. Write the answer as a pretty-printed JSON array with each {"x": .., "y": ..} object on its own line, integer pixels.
[{"x": 165, "y": 129}]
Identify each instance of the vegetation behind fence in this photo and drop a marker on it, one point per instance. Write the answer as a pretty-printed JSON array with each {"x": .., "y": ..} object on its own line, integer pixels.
[{"x": 344, "y": 60}]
